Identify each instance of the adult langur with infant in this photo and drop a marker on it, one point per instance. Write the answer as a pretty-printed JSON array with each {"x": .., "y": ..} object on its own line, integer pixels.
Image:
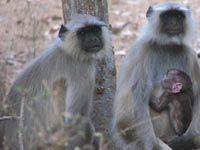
[
  {"x": 70, "y": 60},
  {"x": 165, "y": 43}
]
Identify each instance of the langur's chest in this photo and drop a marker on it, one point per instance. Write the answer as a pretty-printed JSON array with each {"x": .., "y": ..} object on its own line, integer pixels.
[
  {"x": 160, "y": 61},
  {"x": 166, "y": 58}
]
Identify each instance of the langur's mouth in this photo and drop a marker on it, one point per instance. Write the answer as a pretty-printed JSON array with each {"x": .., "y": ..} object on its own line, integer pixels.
[
  {"x": 94, "y": 49},
  {"x": 173, "y": 32}
]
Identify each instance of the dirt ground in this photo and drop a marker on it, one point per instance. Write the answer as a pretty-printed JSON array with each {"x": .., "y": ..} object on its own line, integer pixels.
[{"x": 27, "y": 27}]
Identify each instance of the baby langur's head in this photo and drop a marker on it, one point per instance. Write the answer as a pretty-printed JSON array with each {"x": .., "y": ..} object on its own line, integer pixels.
[
  {"x": 85, "y": 37},
  {"x": 176, "y": 81}
]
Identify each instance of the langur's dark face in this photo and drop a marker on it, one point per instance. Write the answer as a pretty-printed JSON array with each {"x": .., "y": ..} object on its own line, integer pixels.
[
  {"x": 90, "y": 38},
  {"x": 172, "y": 22}
]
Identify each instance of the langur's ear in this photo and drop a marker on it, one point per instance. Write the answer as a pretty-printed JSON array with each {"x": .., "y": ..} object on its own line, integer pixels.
[
  {"x": 176, "y": 87},
  {"x": 149, "y": 11},
  {"x": 62, "y": 32}
]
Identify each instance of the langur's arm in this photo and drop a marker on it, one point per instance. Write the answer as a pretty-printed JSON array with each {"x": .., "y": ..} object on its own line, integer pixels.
[
  {"x": 161, "y": 103},
  {"x": 79, "y": 96}
]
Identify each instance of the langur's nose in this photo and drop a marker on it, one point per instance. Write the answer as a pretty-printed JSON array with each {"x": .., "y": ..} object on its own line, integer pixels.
[{"x": 94, "y": 39}]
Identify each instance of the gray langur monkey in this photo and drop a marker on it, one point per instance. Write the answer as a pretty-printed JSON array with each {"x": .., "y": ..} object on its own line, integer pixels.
[
  {"x": 70, "y": 62},
  {"x": 165, "y": 43}
]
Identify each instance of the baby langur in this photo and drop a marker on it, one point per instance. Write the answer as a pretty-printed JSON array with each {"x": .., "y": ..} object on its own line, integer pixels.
[
  {"x": 178, "y": 97},
  {"x": 61, "y": 79}
]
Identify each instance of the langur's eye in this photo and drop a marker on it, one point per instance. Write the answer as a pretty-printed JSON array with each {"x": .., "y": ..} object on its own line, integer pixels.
[
  {"x": 165, "y": 15},
  {"x": 82, "y": 32},
  {"x": 179, "y": 16}
]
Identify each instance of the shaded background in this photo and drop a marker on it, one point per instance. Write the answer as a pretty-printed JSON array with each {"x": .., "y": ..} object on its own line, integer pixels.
[{"x": 27, "y": 27}]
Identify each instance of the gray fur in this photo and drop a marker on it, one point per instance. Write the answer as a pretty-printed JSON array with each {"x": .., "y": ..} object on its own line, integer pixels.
[
  {"x": 150, "y": 57},
  {"x": 40, "y": 86}
]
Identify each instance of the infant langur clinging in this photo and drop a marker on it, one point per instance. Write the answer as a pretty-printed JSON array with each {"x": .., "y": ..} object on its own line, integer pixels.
[
  {"x": 177, "y": 96},
  {"x": 69, "y": 62}
]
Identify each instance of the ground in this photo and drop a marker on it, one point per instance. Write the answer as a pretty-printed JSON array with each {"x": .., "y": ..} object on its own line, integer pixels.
[{"x": 27, "y": 27}]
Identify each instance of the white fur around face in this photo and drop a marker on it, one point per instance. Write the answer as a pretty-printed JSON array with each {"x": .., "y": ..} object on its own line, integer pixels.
[
  {"x": 151, "y": 30},
  {"x": 71, "y": 45}
]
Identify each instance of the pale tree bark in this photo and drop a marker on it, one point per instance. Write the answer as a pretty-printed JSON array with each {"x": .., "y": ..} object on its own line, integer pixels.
[
  {"x": 2, "y": 84},
  {"x": 2, "y": 92},
  {"x": 97, "y": 8},
  {"x": 106, "y": 73}
]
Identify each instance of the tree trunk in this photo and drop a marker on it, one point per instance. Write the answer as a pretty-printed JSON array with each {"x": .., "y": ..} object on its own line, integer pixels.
[
  {"x": 97, "y": 8},
  {"x": 2, "y": 84},
  {"x": 106, "y": 72}
]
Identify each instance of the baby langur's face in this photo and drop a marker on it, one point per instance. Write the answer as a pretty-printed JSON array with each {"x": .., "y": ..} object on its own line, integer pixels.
[{"x": 172, "y": 82}]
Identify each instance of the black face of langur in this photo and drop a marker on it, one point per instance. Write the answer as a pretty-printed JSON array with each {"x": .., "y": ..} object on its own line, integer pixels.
[
  {"x": 89, "y": 37},
  {"x": 169, "y": 23},
  {"x": 172, "y": 22}
]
